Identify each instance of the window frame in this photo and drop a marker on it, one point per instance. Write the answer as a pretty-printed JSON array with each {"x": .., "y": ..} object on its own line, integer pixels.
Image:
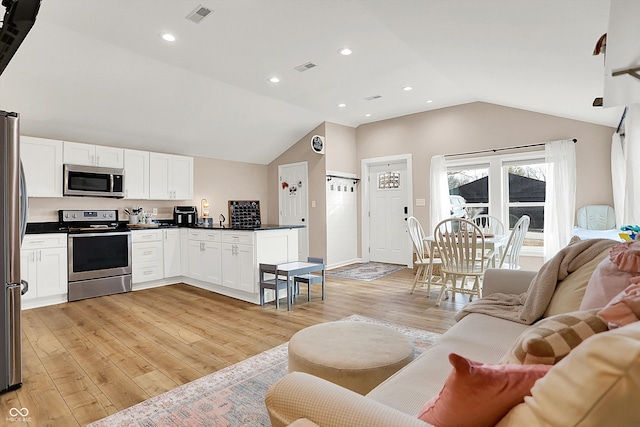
[{"x": 498, "y": 193}]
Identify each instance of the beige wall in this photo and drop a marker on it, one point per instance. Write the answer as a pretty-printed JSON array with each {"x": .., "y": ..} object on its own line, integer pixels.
[
  {"x": 216, "y": 180},
  {"x": 341, "y": 148},
  {"x": 316, "y": 166},
  {"x": 478, "y": 126}
]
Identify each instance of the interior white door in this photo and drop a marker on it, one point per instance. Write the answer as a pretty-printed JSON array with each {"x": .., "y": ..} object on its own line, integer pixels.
[
  {"x": 388, "y": 211},
  {"x": 293, "y": 202}
]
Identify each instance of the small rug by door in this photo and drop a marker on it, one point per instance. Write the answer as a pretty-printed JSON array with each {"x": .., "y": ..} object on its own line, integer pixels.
[
  {"x": 233, "y": 396},
  {"x": 367, "y": 271}
]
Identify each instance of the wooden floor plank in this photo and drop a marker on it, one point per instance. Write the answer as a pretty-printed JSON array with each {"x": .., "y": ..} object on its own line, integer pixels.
[{"x": 88, "y": 359}]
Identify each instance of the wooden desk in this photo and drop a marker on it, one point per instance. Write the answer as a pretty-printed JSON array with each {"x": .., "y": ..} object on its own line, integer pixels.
[{"x": 297, "y": 268}]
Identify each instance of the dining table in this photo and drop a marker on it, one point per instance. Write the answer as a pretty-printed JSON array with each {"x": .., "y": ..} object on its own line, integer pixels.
[{"x": 494, "y": 244}]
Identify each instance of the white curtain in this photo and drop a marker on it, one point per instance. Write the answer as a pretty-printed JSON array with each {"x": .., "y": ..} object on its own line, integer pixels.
[
  {"x": 560, "y": 200},
  {"x": 439, "y": 200},
  {"x": 632, "y": 163},
  {"x": 618, "y": 172}
]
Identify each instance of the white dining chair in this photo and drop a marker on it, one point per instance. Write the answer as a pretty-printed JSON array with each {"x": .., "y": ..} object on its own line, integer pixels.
[
  {"x": 490, "y": 225},
  {"x": 461, "y": 246},
  {"x": 424, "y": 258},
  {"x": 511, "y": 255}
]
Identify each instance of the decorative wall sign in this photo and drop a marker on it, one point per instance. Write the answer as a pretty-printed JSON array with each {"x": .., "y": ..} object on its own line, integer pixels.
[{"x": 244, "y": 213}]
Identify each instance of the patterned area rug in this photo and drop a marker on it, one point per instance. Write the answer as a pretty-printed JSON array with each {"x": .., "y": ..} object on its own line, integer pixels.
[
  {"x": 233, "y": 396},
  {"x": 367, "y": 271}
]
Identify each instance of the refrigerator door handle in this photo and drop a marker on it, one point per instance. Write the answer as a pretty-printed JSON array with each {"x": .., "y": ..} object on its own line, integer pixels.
[
  {"x": 25, "y": 287},
  {"x": 24, "y": 203}
]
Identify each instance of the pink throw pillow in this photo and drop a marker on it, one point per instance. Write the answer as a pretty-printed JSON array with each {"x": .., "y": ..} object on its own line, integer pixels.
[
  {"x": 606, "y": 282},
  {"x": 624, "y": 308},
  {"x": 478, "y": 394}
]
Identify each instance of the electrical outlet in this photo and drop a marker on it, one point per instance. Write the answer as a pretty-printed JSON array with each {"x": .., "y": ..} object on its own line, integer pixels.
[{"x": 155, "y": 211}]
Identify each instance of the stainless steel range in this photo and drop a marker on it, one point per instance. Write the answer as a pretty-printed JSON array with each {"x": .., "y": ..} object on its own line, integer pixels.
[{"x": 99, "y": 253}]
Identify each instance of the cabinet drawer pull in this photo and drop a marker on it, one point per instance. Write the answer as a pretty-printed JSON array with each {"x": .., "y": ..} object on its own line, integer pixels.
[
  {"x": 147, "y": 253},
  {"x": 37, "y": 241}
]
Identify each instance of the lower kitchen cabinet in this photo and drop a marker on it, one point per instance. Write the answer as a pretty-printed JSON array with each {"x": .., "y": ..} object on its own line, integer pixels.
[
  {"x": 43, "y": 264},
  {"x": 205, "y": 256},
  {"x": 147, "y": 257},
  {"x": 238, "y": 262},
  {"x": 171, "y": 252}
]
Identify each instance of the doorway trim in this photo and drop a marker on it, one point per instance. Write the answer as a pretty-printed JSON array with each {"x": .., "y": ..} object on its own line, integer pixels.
[{"x": 366, "y": 165}]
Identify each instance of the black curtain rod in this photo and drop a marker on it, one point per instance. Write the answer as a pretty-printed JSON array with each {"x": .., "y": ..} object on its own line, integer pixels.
[{"x": 494, "y": 150}]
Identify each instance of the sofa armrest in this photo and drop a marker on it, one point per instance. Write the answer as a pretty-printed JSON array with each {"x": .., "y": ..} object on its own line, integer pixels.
[
  {"x": 505, "y": 281},
  {"x": 300, "y": 395}
]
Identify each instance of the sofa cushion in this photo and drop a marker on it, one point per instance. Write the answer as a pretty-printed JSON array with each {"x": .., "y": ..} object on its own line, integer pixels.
[
  {"x": 472, "y": 385},
  {"x": 477, "y": 336},
  {"x": 549, "y": 340},
  {"x": 624, "y": 308},
  {"x": 612, "y": 275},
  {"x": 597, "y": 384},
  {"x": 570, "y": 291}
]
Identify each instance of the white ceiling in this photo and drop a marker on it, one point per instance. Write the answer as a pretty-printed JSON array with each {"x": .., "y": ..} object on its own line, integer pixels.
[{"x": 98, "y": 70}]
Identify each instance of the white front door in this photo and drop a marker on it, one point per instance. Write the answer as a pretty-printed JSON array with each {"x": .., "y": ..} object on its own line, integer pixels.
[
  {"x": 388, "y": 208},
  {"x": 292, "y": 191}
]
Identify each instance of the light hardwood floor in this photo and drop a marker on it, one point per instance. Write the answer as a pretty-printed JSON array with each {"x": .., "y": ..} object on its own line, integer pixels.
[{"x": 88, "y": 359}]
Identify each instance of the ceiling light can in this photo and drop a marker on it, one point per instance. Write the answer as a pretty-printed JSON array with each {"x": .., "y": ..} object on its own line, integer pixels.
[
  {"x": 274, "y": 79},
  {"x": 342, "y": 105},
  {"x": 169, "y": 37},
  {"x": 345, "y": 51}
]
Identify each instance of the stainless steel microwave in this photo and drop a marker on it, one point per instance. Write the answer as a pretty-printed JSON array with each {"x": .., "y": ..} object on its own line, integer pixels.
[{"x": 93, "y": 181}]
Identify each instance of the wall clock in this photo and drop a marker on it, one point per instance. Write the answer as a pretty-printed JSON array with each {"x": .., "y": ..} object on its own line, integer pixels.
[{"x": 317, "y": 144}]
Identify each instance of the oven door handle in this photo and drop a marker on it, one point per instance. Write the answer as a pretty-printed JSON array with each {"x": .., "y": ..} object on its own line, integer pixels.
[{"x": 111, "y": 183}]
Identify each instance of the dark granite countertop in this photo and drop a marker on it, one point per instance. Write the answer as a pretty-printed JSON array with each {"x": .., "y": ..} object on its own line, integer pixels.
[{"x": 54, "y": 227}]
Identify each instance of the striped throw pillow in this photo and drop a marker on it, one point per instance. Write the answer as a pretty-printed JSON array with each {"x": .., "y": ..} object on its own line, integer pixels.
[{"x": 551, "y": 339}]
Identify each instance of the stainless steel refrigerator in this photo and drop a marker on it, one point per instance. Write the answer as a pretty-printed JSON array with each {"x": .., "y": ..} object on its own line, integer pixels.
[{"x": 13, "y": 217}]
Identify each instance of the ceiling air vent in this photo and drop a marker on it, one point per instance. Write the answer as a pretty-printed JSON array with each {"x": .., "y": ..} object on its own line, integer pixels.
[
  {"x": 372, "y": 97},
  {"x": 198, "y": 14},
  {"x": 305, "y": 67}
]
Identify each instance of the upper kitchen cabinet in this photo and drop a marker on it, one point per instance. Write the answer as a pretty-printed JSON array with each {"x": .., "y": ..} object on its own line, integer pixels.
[
  {"x": 171, "y": 177},
  {"x": 42, "y": 162},
  {"x": 76, "y": 153},
  {"x": 136, "y": 174}
]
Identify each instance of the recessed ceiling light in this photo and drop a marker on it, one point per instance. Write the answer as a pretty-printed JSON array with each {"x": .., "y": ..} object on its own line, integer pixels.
[
  {"x": 407, "y": 88},
  {"x": 169, "y": 37},
  {"x": 429, "y": 101},
  {"x": 274, "y": 79},
  {"x": 342, "y": 105},
  {"x": 367, "y": 115},
  {"x": 345, "y": 51}
]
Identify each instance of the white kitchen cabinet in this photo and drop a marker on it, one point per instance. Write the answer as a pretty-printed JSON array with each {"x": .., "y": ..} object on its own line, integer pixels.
[
  {"x": 171, "y": 177},
  {"x": 42, "y": 161},
  {"x": 238, "y": 261},
  {"x": 171, "y": 252},
  {"x": 204, "y": 259},
  {"x": 136, "y": 174},
  {"x": 43, "y": 263},
  {"x": 147, "y": 259},
  {"x": 76, "y": 153}
]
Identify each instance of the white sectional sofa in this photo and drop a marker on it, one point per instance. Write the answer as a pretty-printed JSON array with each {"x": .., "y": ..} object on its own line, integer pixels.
[{"x": 304, "y": 400}]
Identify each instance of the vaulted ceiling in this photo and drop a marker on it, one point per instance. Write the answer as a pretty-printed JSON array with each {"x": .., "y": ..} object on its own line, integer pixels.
[{"x": 98, "y": 70}]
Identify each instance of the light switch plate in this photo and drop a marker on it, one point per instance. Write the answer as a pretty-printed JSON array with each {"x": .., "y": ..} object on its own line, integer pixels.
[{"x": 421, "y": 202}]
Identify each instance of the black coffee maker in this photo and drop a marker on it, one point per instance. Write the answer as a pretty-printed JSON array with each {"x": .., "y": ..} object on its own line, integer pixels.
[{"x": 185, "y": 216}]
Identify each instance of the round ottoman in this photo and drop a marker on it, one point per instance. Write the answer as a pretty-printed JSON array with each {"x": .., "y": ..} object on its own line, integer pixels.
[{"x": 355, "y": 355}]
